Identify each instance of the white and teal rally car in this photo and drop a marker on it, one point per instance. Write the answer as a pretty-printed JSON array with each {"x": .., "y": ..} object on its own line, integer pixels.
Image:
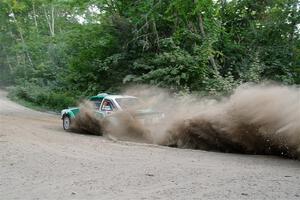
[{"x": 105, "y": 105}]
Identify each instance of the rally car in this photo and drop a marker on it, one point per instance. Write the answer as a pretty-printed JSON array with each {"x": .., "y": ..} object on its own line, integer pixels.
[{"x": 105, "y": 105}]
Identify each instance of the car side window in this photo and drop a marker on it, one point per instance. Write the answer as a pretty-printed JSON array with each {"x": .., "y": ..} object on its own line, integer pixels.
[
  {"x": 107, "y": 106},
  {"x": 97, "y": 103}
]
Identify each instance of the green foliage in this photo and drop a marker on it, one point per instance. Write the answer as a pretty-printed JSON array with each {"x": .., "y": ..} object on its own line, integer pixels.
[
  {"x": 55, "y": 51},
  {"x": 42, "y": 96}
]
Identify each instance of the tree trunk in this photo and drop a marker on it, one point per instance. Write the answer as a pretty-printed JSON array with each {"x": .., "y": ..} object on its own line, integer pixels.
[
  {"x": 155, "y": 33},
  {"x": 52, "y": 16},
  {"x": 22, "y": 38},
  {"x": 202, "y": 32},
  {"x": 34, "y": 15},
  {"x": 50, "y": 19}
]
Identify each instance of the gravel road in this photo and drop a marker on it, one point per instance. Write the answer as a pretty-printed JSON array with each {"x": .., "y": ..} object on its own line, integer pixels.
[{"x": 38, "y": 160}]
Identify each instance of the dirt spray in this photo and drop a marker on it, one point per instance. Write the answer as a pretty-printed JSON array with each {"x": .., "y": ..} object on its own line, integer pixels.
[{"x": 255, "y": 119}]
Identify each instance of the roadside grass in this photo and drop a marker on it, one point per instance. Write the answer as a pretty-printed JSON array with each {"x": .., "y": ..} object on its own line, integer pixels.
[
  {"x": 40, "y": 99},
  {"x": 33, "y": 106}
]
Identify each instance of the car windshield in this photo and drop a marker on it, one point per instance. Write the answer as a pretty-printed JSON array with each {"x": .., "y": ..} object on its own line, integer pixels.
[{"x": 130, "y": 103}]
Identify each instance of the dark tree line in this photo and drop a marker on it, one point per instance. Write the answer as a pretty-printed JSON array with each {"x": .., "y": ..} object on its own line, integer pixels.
[{"x": 54, "y": 51}]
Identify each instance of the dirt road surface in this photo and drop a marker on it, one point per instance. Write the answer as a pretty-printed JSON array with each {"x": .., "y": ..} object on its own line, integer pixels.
[{"x": 38, "y": 160}]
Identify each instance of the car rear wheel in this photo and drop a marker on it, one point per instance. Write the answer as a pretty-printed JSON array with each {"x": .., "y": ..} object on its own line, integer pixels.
[{"x": 66, "y": 122}]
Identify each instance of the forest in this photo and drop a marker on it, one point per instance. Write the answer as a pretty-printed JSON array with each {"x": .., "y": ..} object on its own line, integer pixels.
[{"x": 53, "y": 52}]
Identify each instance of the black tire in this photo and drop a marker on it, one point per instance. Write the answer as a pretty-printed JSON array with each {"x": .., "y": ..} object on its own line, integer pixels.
[{"x": 66, "y": 122}]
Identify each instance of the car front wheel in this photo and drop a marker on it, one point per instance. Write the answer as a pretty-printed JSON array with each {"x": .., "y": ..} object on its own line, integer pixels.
[{"x": 66, "y": 122}]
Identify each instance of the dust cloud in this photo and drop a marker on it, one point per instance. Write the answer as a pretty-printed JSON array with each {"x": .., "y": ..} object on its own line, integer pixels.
[
  {"x": 255, "y": 119},
  {"x": 86, "y": 121}
]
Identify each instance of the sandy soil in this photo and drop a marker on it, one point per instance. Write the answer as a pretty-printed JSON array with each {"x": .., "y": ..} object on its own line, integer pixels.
[{"x": 38, "y": 160}]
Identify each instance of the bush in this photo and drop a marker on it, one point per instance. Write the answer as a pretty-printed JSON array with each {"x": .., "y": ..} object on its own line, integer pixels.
[
  {"x": 42, "y": 96},
  {"x": 219, "y": 85},
  {"x": 60, "y": 100}
]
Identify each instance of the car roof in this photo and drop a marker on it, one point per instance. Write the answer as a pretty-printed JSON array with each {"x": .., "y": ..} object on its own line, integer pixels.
[
  {"x": 118, "y": 96},
  {"x": 98, "y": 96},
  {"x": 109, "y": 96}
]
